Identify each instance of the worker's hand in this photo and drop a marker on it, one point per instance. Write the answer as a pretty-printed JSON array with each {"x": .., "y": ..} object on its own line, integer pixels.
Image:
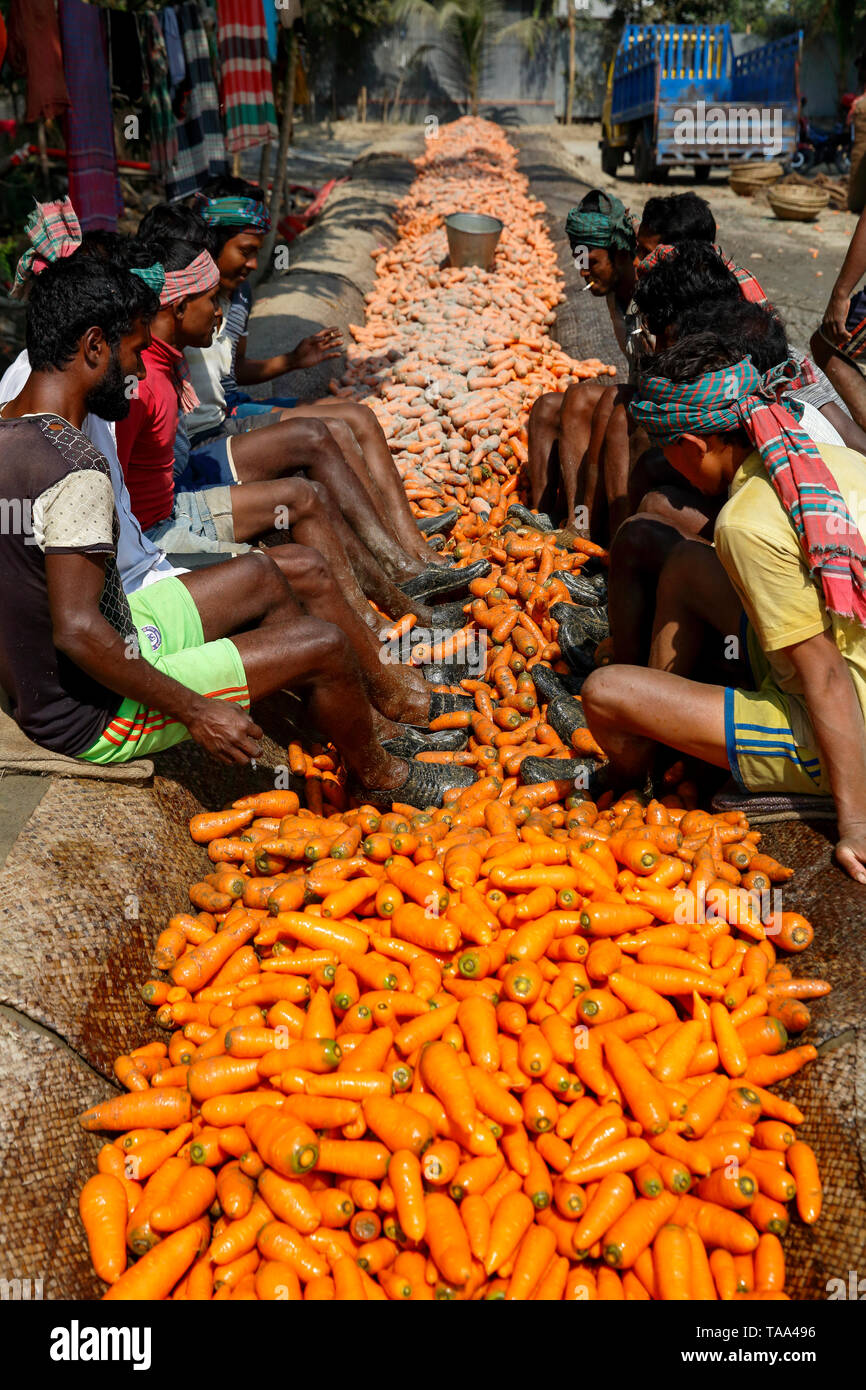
[
  {"x": 317, "y": 348},
  {"x": 851, "y": 850},
  {"x": 833, "y": 324},
  {"x": 226, "y": 731}
]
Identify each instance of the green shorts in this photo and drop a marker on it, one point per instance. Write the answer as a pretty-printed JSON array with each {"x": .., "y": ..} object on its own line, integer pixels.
[
  {"x": 170, "y": 637},
  {"x": 770, "y": 743}
]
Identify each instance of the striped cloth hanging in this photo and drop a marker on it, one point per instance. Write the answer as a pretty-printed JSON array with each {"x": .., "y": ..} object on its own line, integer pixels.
[{"x": 247, "y": 94}]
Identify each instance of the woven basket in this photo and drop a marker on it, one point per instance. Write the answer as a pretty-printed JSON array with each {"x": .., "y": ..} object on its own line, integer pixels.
[
  {"x": 749, "y": 178},
  {"x": 794, "y": 203}
]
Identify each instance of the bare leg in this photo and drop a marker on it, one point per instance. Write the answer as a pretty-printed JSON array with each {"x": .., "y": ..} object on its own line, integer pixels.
[
  {"x": 694, "y": 596},
  {"x": 543, "y": 441},
  {"x": 575, "y": 427},
  {"x": 638, "y": 553},
  {"x": 630, "y": 710},
  {"x": 398, "y": 692},
  {"x": 257, "y": 508},
  {"x": 847, "y": 380},
  {"x": 369, "y": 456},
  {"x": 286, "y": 448},
  {"x": 290, "y": 650},
  {"x": 650, "y": 471}
]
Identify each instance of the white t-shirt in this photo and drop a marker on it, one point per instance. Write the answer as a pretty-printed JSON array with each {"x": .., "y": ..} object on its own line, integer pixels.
[
  {"x": 818, "y": 427},
  {"x": 139, "y": 561},
  {"x": 207, "y": 368}
]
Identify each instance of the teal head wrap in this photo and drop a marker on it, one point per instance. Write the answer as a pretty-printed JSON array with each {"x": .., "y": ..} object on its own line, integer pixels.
[
  {"x": 608, "y": 226},
  {"x": 152, "y": 275}
]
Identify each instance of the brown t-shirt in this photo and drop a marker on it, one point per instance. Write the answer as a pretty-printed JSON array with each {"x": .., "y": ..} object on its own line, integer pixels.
[{"x": 56, "y": 498}]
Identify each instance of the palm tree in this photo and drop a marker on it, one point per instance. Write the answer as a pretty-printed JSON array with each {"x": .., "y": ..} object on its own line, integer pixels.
[{"x": 468, "y": 25}]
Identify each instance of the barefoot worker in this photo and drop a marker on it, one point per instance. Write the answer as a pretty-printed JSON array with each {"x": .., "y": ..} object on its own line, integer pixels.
[
  {"x": 790, "y": 541},
  {"x": 100, "y": 675}
]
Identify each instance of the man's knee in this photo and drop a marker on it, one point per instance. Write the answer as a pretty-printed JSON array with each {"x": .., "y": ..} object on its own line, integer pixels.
[
  {"x": 655, "y": 503},
  {"x": 310, "y": 437},
  {"x": 260, "y": 573},
  {"x": 581, "y": 398},
  {"x": 546, "y": 408},
  {"x": 343, "y": 435},
  {"x": 302, "y": 497},
  {"x": 633, "y": 540},
  {"x": 602, "y": 693},
  {"x": 306, "y": 570},
  {"x": 328, "y": 647}
]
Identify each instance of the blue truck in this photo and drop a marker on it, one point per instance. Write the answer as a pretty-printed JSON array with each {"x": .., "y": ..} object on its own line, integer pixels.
[{"x": 677, "y": 96}]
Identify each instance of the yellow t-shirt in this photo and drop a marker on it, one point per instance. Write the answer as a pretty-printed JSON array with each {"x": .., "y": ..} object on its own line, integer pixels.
[{"x": 760, "y": 550}]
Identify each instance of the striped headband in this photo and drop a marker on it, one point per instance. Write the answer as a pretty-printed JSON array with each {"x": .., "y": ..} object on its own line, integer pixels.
[
  {"x": 54, "y": 233},
  {"x": 198, "y": 277},
  {"x": 740, "y": 397},
  {"x": 233, "y": 212}
]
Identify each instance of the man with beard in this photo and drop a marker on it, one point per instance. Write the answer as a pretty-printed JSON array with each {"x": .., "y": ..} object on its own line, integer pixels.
[{"x": 98, "y": 675}]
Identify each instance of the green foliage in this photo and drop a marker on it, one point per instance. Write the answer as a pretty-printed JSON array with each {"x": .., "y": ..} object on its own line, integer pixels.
[
  {"x": 467, "y": 26},
  {"x": 348, "y": 19},
  {"x": 532, "y": 30}
]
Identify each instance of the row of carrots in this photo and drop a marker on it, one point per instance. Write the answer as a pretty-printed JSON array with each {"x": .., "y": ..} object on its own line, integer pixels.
[
  {"x": 510, "y": 1048},
  {"x": 451, "y": 359},
  {"x": 519, "y": 1047}
]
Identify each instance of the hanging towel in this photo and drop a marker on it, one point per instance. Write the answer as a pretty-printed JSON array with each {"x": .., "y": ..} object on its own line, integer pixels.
[
  {"x": 272, "y": 27},
  {"x": 163, "y": 129},
  {"x": 201, "y": 148},
  {"x": 173, "y": 47},
  {"x": 90, "y": 154},
  {"x": 247, "y": 89},
  {"x": 34, "y": 49}
]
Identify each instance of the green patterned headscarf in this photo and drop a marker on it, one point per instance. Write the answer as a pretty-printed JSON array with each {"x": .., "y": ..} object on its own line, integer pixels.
[
  {"x": 609, "y": 226},
  {"x": 152, "y": 275}
]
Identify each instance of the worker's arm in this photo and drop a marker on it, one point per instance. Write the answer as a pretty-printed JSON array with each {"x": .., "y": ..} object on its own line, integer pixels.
[
  {"x": 319, "y": 347},
  {"x": 852, "y": 272},
  {"x": 80, "y": 631},
  {"x": 840, "y": 731},
  {"x": 852, "y": 435}
]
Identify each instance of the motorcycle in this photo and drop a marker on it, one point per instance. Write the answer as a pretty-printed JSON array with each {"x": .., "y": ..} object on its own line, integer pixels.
[{"x": 829, "y": 147}]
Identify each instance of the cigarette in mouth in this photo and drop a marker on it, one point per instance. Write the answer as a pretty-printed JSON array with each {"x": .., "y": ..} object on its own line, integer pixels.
[{"x": 588, "y": 286}]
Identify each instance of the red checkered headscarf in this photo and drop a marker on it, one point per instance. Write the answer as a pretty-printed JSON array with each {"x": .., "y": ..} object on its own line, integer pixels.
[
  {"x": 750, "y": 288},
  {"x": 200, "y": 276},
  {"x": 739, "y": 396},
  {"x": 54, "y": 233}
]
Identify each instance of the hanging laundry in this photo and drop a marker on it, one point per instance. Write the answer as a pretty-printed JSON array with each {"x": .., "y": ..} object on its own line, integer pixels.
[
  {"x": 272, "y": 27},
  {"x": 247, "y": 88},
  {"x": 34, "y": 50},
  {"x": 201, "y": 148},
  {"x": 127, "y": 65},
  {"x": 163, "y": 128},
  {"x": 173, "y": 47},
  {"x": 90, "y": 154}
]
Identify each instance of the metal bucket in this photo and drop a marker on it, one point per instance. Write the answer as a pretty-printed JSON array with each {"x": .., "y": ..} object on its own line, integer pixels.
[{"x": 472, "y": 238}]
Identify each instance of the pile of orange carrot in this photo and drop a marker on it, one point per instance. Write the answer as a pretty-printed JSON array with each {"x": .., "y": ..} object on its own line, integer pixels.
[
  {"x": 515, "y": 1048},
  {"x": 451, "y": 360},
  {"x": 521, "y": 1047}
]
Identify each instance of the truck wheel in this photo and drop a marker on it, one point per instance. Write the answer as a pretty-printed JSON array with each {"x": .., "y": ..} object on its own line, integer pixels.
[
  {"x": 642, "y": 159},
  {"x": 702, "y": 173},
  {"x": 610, "y": 158}
]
